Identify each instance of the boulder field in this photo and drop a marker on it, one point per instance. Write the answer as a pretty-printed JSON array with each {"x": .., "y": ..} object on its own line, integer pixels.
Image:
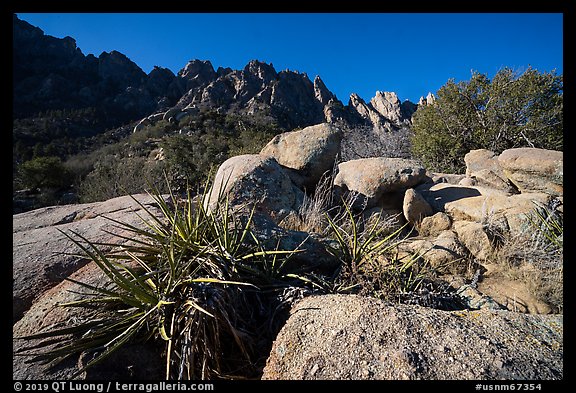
[{"x": 340, "y": 336}]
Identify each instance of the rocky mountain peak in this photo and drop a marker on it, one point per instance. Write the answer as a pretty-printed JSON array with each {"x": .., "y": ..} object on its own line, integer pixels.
[
  {"x": 221, "y": 71},
  {"x": 355, "y": 100},
  {"x": 52, "y": 73},
  {"x": 260, "y": 70},
  {"x": 289, "y": 97},
  {"x": 115, "y": 66},
  {"x": 430, "y": 98},
  {"x": 321, "y": 91},
  {"x": 197, "y": 73},
  {"x": 195, "y": 68},
  {"x": 388, "y": 105},
  {"x": 25, "y": 29},
  {"x": 384, "y": 111}
]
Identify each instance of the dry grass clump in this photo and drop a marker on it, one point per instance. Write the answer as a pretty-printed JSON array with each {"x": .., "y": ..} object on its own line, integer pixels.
[
  {"x": 311, "y": 214},
  {"x": 535, "y": 255}
]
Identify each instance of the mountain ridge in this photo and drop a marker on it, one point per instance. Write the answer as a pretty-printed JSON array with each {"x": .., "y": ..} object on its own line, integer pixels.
[{"x": 52, "y": 73}]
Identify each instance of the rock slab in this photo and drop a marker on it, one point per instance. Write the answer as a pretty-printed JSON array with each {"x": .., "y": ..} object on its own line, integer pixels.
[
  {"x": 341, "y": 337},
  {"x": 534, "y": 170},
  {"x": 43, "y": 255}
]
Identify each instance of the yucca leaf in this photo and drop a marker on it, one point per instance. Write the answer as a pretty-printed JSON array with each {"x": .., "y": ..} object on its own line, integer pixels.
[
  {"x": 112, "y": 272},
  {"x": 197, "y": 307},
  {"x": 92, "y": 287},
  {"x": 216, "y": 281},
  {"x": 118, "y": 342},
  {"x": 268, "y": 252},
  {"x": 60, "y": 332}
]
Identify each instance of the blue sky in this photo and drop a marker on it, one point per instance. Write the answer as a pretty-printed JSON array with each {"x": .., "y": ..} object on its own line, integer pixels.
[{"x": 410, "y": 54}]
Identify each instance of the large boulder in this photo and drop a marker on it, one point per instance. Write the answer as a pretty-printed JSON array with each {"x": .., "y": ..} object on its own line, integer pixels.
[
  {"x": 43, "y": 255},
  {"x": 483, "y": 166},
  {"x": 341, "y": 337},
  {"x": 372, "y": 178},
  {"x": 482, "y": 204},
  {"x": 254, "y": 179},
  {"x": 534, "y": 170},
  {"x": 307, "y": 153}
]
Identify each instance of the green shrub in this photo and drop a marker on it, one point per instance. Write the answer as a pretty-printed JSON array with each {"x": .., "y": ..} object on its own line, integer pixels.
[
  {"x": 43, "y": 172},
  {"x": 113, "y": 177},
  {"x": 511, "y": 110}
]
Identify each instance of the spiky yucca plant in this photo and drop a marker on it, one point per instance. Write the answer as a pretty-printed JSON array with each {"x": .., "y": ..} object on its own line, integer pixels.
[
  {"x": 190, "y": 278},
  {"x": 369, "y": 262},
  {"x": 355, "y": 246}
]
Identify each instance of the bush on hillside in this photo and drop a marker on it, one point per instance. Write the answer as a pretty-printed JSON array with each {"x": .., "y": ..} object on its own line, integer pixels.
[{"x": 42, "y": 172}]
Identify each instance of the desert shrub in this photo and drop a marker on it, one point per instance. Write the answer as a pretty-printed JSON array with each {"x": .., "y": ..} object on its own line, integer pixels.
[
  {"x": 55, "y": 132},
  {"x": 250, "y": 141},
  {"x": 113, "y": 176},
  {"x": 366, "y": 141},
  {"x": 42, "y": 172},
  {"x": 156, "y": 130},
  {"x": 311, "y": 215},
  {"x": 511, "y": 110},
  {"x": 191, "y": 158}
]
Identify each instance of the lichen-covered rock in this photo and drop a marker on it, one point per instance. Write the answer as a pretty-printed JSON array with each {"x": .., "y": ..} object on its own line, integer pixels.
[
  {"x": 443, "y": 252},
  {"x": 476, "y": 300},
  {"x": 254, "y": 179},
  {"x": 515, "y": 295},
  {"x": 480, "y": 204},
  {"x": 309, "y": 152},
  {"x": 534, "y": 170},
  {"x": 374, "y": 177},
  {"x": 434, "y": 224},
  {"x": 438, "y": 177},
  {"x": 341, "y": 337},
  {"x": 468, "y": 181}
]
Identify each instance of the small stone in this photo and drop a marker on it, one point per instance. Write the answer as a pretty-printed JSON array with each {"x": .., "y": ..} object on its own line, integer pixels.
[{"x": 314, "y": 369}]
